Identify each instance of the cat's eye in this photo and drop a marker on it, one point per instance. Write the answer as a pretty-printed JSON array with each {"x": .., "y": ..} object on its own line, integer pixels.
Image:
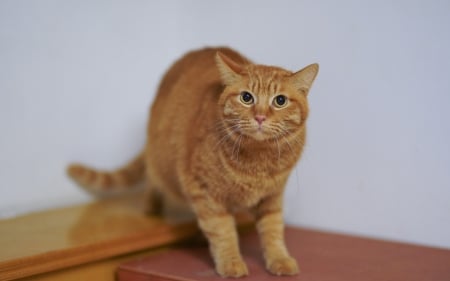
[
  {"x": 280, "y": 101},
  {"x": 246, "y": 98}
]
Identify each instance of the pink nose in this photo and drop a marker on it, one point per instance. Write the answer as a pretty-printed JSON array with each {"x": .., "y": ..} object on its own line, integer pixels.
[{"x": 260, "y": 119}]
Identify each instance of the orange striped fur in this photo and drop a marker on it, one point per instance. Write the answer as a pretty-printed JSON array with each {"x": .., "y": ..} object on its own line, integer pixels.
[
  {"x": 98, "y": 181},
  {"x": 221, "y": 139}
]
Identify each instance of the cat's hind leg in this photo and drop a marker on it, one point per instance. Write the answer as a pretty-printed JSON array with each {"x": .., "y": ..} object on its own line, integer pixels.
[{"x": 154, "y": 204}]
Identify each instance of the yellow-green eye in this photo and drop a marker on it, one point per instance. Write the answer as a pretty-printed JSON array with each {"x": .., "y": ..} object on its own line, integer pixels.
[
  {"x": 246, "y": 98},
  {"x": 280, "y": 101}
]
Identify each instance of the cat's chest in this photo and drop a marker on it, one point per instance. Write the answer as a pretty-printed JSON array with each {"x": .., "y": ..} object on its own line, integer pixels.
[
  {"x": 245, "y": 191},
  {"x": 242, "y": 184},
  {"x": 241, "y": 181}
]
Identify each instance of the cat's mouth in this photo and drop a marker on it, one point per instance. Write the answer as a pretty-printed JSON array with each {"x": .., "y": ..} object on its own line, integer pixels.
[
  {"x": 258, "y": 132},
  {"x": 255, "y": 131}
]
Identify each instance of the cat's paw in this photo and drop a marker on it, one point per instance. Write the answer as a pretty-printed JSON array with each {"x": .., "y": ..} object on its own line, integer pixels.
[
  {"x": 232, "y": 268},
  {"x": 283, "y": 266}
]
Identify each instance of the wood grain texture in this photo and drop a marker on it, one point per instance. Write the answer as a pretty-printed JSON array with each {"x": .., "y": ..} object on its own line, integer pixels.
[
  {"x": 102, "y": 270},
  {"x": 321, "y": 256},
  {"x": 56, "y": 239}
]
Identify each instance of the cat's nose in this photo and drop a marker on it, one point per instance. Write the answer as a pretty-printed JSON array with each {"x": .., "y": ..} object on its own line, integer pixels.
[{"x": 260, "y": 119}]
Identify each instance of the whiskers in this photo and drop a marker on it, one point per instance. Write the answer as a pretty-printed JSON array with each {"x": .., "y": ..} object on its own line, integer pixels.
[
  {"x": 230, "y": 131},
  {"x": 238, "y": 150},
  {"x": 281, "y": 141},
  {"x": 285, "y": 134},
  {"x": 282, "y": 138},
  {"x": 279, "y": 149}
]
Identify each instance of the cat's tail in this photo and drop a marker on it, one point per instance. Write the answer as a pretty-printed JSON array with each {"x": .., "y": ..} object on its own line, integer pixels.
[{"x": 102, "y": 181}]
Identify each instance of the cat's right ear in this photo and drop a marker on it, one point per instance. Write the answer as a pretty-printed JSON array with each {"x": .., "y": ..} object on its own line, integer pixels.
[
  {"x": 229, "y": 69},
  {"x": 304, "y": 78}
]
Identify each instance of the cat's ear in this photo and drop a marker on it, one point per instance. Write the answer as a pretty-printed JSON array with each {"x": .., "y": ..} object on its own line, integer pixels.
[
  {"x": 303, "y": 79},
  {"x": 229, "y": 69}
]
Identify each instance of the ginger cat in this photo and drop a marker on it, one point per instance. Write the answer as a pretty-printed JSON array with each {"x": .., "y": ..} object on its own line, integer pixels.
[{"x": 224, "y": 135}]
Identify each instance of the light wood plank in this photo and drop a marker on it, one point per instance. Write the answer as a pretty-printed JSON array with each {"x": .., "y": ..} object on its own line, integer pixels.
[
  {"x": 56, "y": 239},
  {"x": 102, "y": 270}
]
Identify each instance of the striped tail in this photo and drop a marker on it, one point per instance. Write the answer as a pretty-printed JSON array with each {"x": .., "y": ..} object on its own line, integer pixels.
[{"x": 99, "y": 181}]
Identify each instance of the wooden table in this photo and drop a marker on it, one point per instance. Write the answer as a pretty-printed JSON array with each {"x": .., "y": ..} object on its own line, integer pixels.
[
  {"x": 321, "y": 256},
  {"x": 89, "y": 242},
  {"x": 59, "y": 239}
]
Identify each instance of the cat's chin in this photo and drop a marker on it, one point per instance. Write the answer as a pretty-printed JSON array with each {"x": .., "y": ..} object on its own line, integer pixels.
[{"x": 259, "y": 135}]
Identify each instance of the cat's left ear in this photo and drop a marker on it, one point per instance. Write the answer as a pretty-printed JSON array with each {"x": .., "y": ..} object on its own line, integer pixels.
[
  {"x": 303, "y": 79},
  {"x": 229, "y": 69}
]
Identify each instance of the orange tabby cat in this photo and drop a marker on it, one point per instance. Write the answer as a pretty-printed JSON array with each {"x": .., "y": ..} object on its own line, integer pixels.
[{"x": 223, "y": 135}]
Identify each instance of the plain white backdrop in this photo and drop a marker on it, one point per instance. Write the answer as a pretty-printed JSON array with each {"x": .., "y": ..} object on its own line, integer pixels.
[{"x": 77, "y": 79}]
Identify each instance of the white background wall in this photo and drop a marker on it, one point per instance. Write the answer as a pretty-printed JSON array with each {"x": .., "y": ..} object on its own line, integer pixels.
[{"x": 77, "y": 78}]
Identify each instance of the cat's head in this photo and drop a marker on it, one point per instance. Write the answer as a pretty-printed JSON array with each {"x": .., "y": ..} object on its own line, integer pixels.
[{"x": 263, "y": 102}]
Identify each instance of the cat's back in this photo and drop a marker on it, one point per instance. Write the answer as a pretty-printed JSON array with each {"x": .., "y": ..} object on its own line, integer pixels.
[
  {"x": 193, "y": 70},
  {"x": 183, "y": 109},
  {"x": 191, "y": 85},
  {"x": 178, "y": 94}
]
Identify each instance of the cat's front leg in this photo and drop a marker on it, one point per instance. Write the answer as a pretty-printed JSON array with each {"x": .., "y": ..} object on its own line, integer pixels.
[
  {"x": 270, "y": 228},
  {"x": 219, "y": 228}
]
